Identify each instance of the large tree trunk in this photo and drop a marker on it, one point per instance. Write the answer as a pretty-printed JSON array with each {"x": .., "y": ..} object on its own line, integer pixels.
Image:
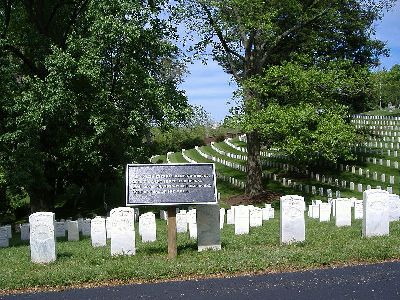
[{"x": 254, "y": 168}]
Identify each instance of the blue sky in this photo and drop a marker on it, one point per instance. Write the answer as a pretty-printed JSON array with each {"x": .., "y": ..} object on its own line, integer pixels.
[{"x": 208, "y": 85}]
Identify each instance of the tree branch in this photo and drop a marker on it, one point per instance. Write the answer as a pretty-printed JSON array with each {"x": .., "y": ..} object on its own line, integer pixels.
[
  {"x": 74, "y": 18},
  {"x": 299, "y": 25},
  {"x": 7, "y": 17},
  {"x": 37, "y": 71},
  {"x": 230, "y": 52}
]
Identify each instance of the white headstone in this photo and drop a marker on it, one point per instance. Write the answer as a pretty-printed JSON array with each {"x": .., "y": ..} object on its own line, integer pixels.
[
  {"x": 9, "y": 231},
  {"x": 343, "y": 212},
  {"x": 147, "y": 223},
  {"x": 25, "y": 232},
  {"x": 80, "y": 224},
  {"x": 4, "y": 240},
  {"x": 191, "y": 216},
  {"x": 108, "y": 227},
  {"x": 230, "y": 216},
  {"x": 221, "y": 218},
  {"x": 324, "y": 212},
  {"x": 86, "y": 227},
  {"x": 265, "y": 213},
  {"x": 123, "y": 231},
  {"x": 73, "y": 231},
  {"x": 242, "y": 219},
  {"x": 208, "y": 232},
  {"x": 192, "y": 230},
  {"x": 358, "y": 210},
  {"x": 394, "y": 207},
  {"x": 163, "y": 215},
  {"x": 181, "y": 222},
  {"x": 60, "y": 229},
  {"x": 42, "y": 237},
  {"x": 98, "y": 232},
  {"x": 256, "y": 217},
  {"x": 271, "y": 213},
  {"x": 376, "y": 213},
  {"x": 315, "y": 211},
  {"x": 292, "y": 223}
]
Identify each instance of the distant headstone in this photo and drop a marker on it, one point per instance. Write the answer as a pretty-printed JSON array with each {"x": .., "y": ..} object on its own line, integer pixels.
[
  {"x": 292, "y": 223},
  {"x": 343, "y": 212},
  {"x": 192, "y": 230},
  {"x": 108, "y": 227},
  {"x": 147, "y": 222},
  {"x": 80, "y": 224},
  {"x": 221, "y": 217},
  {"x": 25, "y": 232},
  {"x": 42, "y": 237},
  {"x": 4, "y": 240},
  {"x": 315, "y": 211},
  {"x": 86, "y": 227},
  {"x": 123, "y": 231},
  {"x": 265, "y": 213},
  {"x": 191, "y": 216},
  {"x": 208, "y": 232},
  {"x": 358, "y": 210},
  {"x": 394, "y": 207},
  {"x": 60, "y": 229},
  {"x": 181, "y": 222},
  {"x": 230, "y": 216},
  {"x": 255, "y": 217},
  {"x": 98, "y": 234},
  {"x": 9, "y": 231},
  {"x": 271, "y": 213},
  {"x": 376, "y": 213},
  {"x": 242, "y": 219},
  {"x": 324, "y": 212},
  {"x": 163, "y": 215},
  {"x": 73, "y": 231}
]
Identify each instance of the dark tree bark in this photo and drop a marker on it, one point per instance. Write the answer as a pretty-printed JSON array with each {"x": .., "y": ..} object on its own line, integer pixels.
[{"x": 254, "y": 168}]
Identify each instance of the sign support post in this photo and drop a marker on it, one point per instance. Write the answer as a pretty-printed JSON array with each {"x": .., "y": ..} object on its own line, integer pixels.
[{"x": 172, "y": 249}]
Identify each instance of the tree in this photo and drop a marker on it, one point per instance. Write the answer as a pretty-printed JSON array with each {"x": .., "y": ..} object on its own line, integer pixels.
[
  {"x": 387, "y": 86},
  {"x": 249, "y": 37},
  {"x": 85, "y": 82},
  {"x": 305, "y": 111}
]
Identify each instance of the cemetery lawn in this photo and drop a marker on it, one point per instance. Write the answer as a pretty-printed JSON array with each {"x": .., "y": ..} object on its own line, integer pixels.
[{"x": 78, "y": 264}]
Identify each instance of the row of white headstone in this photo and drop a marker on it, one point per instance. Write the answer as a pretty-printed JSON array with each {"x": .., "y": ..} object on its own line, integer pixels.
[
  {"x": 246, "y": 216},
  {"x": 121, "y": 230},
  {"x": 376, "y": 210}
]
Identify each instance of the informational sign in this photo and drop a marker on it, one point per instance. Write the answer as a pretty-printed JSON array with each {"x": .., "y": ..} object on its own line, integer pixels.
[{"x": 170, "y": 184}]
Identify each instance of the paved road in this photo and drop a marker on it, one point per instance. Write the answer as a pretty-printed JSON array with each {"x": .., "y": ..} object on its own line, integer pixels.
[{"x": 378, "y": 281}]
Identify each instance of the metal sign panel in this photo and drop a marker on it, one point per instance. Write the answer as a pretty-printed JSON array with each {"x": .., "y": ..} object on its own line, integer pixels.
[{"x": 170, "y": 184}]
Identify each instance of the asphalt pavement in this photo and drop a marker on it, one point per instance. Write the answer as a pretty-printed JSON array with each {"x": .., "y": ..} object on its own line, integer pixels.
[{"x": 377, "y": 281}]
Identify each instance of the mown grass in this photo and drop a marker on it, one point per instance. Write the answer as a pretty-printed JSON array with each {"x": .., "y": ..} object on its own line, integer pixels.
[{"x": 260, "y": 251}]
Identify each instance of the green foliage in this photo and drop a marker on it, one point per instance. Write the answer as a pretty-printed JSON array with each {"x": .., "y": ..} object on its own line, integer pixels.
[
  {"x": 85, "y": 82},
  {"x": 387, "y": 87},
  {"x": 329, "y": 84},
  {"x": 304, "y": 132}
]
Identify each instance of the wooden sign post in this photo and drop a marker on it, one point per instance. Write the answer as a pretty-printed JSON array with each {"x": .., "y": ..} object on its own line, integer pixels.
[{"x": 172, "y": 249}]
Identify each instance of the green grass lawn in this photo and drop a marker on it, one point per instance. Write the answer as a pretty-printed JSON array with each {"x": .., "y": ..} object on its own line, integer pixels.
[{"x": 260, "y": 251}]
